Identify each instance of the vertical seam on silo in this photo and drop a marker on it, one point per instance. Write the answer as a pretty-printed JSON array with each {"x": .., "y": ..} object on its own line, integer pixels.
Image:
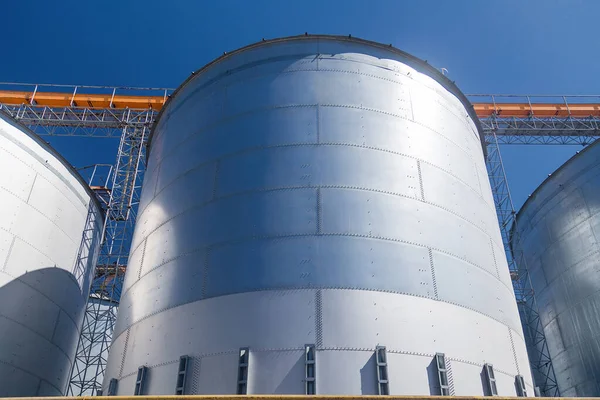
[
  {"x": 39, "y": 386},
  {"x": 319, "y": 211},
  {"x": 196, "y": 365},
  {"x": 512, "y": 344},
  {"x": 139, "y": 274},
  {"x": 12, "y": 243},
  {"x": 420, "y": 180},
  {"x": 590, "y": 215},
  {"x": 319, "y": 319},
  {"x": 205, "y": 273},
  {"x": 431, "y": 266},
  {"x": 31, "y": 190},
  {"x": 55, "y": 325},
  {"x": 412, "y": 111},
  {"x": 478, "y": 178},
  {"x": 494, "y": 257},
  {"x": 124, "y": 352},
  {"x": 216, "y": 179},
  {"x": 318, "y": 124},
  {"x": 450, "y": 377},
  {"x": 158, "y": 168}
]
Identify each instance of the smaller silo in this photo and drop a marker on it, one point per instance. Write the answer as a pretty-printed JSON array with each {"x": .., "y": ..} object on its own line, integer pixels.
[
  {"x": 559, "y": 227},
  {"x": 50, "y": 233}
]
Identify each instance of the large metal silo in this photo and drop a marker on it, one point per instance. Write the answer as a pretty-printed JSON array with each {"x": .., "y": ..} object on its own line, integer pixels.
[
  {"x": 559, "y": 225},
  {"x": 309, "y": 202},
  {"x": 50, "y": 231}
]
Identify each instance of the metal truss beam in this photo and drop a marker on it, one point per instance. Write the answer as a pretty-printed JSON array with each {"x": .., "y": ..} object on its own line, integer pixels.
[
  {"x": 79, "y": 121},
  {"x": 538, "y": 119},
  {"x": 101, "y": 310},
  {"x": 534, "y": 130}
]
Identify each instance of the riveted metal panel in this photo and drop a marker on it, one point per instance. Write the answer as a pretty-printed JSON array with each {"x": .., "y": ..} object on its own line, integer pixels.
[
  {"x": 408, "y": 373},
  {"x": 218, "y": 374},
  {"x": 161, "y": 379},
  {"x": 354, "y": 367},
  {"x": 43, "y": 289},
  {"x": 23, "y": 383},
  {"x": 227, "y": 315},
  {"x": 316, "y": 190},
  {"x": 558, "y": 231},
  {"x": 282, "y": 372},
  {"x": 20, "y": 301}
]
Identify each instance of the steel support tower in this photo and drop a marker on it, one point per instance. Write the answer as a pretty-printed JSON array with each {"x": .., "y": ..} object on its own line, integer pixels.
[{"x": 106, "y": 112}]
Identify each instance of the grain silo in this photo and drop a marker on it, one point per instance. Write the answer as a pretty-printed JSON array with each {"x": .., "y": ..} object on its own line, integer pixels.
[
  {"x": 316, "y": 218},
  {"x": 559, "y": 225},
  {"x": 46, "y": 266}
]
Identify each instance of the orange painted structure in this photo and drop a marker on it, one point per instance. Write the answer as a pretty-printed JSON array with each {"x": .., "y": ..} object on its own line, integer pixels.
[{"x": 119, "y": 101}]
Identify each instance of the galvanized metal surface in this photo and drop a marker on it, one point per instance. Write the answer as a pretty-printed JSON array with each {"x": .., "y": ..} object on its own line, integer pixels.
[
  {"x": 319, "y": 191},
  {"x": 50, "y": 230},
  {"x": 558, "y": 227}
]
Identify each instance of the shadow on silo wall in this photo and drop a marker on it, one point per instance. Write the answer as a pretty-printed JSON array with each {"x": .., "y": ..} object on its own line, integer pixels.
[{"x": 40, "y": 318}]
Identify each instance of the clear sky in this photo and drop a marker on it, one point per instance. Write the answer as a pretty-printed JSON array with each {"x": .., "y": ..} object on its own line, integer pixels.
[{"x": 510, "y": 46}]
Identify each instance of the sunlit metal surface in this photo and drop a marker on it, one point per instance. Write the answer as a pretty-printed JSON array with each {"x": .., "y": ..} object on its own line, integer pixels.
[
  {"x": 50, "y": 232},
  {"x": 316, "y": 190},
  {"x": 559, "y": 225}
]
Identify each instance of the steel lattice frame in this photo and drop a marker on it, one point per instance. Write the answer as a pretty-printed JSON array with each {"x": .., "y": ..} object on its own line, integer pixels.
[
  {"x": 133, "y": 126},
  {"x": 534, "y": 130},
  {"x": 101, "y": 311}
]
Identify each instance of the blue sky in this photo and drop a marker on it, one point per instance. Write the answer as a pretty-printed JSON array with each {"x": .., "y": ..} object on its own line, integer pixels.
[{"x": 534, "y": 46}]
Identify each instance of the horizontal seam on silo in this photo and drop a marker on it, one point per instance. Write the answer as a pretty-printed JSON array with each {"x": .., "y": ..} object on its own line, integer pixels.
[
  {"x": 566, "y": 269},
  {"x": 255, "y": 237},
  {"x": 288, "y": 106},
  {"x": 413, "y": 353},
  {"x": 39, "y": 212},
  {"x": 460, "y": 360},
  {"x": 30, "y": 373},
  {"x": 566, "y": 349},
  {"x": 193, "y": 355},
  {"x": 30, "y": 245},
  {"x": 49, "y": 299},
  {"x": 296, "y": 288},
  {"x": 50, "y": 168},
  {"x": 266, "y": 190},
  {"x": 199, "y": 249},
  {"x": 244, "y": 67},
  {"x": 296, "y": 70},
  {"x": 555, "y": 192},
  {"x": 38, "y": 334},
  {"x": 478, "y": 195},
  {"x": 326, "y": 187},
  {"x": 324, "y": 349},
  {"x": 259, "y": 148},
  {"x": 573, "y": 304},
  {"x": 558, "y": 239}
]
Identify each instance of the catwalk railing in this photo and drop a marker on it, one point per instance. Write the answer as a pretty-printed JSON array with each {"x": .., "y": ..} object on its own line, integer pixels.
[{"x": 128, "y": 114}]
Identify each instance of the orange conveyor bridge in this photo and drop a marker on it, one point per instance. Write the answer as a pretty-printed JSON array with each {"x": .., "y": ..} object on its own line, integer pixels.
[
  {"x": 155, "y": 102},
  {"x": 105, "y": 111}
]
